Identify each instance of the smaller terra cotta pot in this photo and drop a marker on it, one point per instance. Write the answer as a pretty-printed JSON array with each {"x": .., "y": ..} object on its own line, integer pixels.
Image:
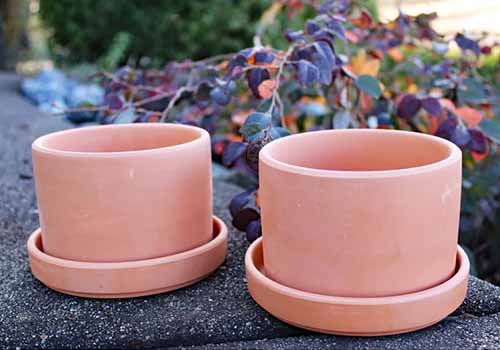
[
  {"x": 359, "y": 212},
  {"x": 123, "y": 192}
]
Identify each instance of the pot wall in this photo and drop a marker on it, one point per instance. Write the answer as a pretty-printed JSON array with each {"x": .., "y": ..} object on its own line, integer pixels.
[
  {"x": 123, "y": 192},
  {"x": 360, "y": 213}
]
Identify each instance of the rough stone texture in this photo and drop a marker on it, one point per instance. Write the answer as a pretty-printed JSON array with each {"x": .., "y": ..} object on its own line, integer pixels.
[{"x": 215, "y": 313}]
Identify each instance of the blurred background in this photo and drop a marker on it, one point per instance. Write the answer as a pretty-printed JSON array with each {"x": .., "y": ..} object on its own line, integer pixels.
[
  {"x": 60, "y": 43},
  {"x": 42, "y": 33}
]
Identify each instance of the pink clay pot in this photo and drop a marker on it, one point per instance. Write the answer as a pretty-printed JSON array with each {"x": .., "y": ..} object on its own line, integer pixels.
[
  {"x": 360, "y": 213},
  {"x": 123, "y": 192}
]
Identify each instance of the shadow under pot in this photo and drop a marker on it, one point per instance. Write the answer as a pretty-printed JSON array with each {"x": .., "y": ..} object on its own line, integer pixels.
[
  {"x": 124, "y": 193},
  {"x": 369, "y": 217}
]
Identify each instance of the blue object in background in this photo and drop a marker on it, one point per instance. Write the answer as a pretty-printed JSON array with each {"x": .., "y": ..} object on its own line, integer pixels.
[{"x": 53, "y": 92}]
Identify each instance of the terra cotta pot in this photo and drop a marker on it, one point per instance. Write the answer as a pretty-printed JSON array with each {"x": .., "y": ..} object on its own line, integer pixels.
[
  {"x": 123, "y": 192},
  {"x": 360, "y": 213}
]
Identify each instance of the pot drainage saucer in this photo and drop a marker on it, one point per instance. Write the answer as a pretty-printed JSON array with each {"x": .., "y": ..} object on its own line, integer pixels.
[
  {"x": 129, "y": 278},
  {"x": 355, "y": 316}
]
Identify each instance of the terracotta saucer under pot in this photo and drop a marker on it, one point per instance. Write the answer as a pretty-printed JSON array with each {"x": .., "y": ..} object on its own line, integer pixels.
[
  {"x": 130, "y": 278},
  {"x": 358, "y": 316}
]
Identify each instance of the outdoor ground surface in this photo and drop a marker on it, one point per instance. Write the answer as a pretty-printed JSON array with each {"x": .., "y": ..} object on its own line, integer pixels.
[{"x": 215, "y": 313}]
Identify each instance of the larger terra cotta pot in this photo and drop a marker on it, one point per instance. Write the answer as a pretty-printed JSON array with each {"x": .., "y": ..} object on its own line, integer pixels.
[
  {"x": 360, "y": 213},
  {"x": 123, "y": 192}
]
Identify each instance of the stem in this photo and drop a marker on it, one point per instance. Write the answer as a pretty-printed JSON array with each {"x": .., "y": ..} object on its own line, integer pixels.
[
  {"x": 276, "y": 99},
  {"x": 266, "y": 20},
  {"x": 83, "y": 109},
  {"x": 172, "y": 102},
  {"x": 153, "y": 98}
]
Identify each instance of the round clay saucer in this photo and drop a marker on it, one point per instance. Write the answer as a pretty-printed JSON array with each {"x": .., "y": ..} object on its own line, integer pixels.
[
  {"x": 130, "y": 278},
  {"x": 355, "y": 316}
]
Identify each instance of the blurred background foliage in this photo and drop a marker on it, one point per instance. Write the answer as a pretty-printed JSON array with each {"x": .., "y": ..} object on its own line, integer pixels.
[{"x": 116, "y": 30}]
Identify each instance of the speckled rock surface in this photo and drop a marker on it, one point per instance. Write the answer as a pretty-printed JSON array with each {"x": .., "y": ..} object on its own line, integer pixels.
[{"x": 215, "y": 313}]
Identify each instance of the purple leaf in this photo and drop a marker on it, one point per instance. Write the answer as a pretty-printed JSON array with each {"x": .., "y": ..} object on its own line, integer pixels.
[
  {"x": 236, "y": 64},
  {"x": 393, "y": 42},
  {"x": 326, "y": 6},
  {"x": 232, "y": 152},
  {"x": 312, "y": 27},
  {"x": 324, "y": 59},
  {"x": 264, "y": 57},
  {"x": 209, "y": 123},
  {"x": 253, "y": 230},
  {"x": 334, "y": 5},
  {"x": 467, "y": 44},
  {"x": 220, "y": 96},
  {"x": 447, "y": 127},
  {"x": 242, "y": 218},
  {"x": 460, "y": 136},
  {"x": 478, "y": 142},
  {"x": 246, "y": 52},
  {"x": 143, "y": 118},
  {"x": 308, "y": 73},
  {"x": 239, "y": 201},
  {"x": 293, "y": 36},
  {"x": 403, "y": 21},
  {"x": 325, "y": 51},
  {"x": 113, "y": 101},
  {"x": 337, "y": 29},
  {"x": 324, "y": 35},
  {"x": 305, "y": 53},
  {"x": 255, "y": 77},
  {"x": 408, "y": 106},
  {"x": 431, "y": 106}
]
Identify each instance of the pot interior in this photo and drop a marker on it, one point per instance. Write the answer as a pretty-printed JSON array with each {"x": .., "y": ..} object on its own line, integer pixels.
[
  {"x": 119, "y": 138},
  {"x": 359, "y": 150}
]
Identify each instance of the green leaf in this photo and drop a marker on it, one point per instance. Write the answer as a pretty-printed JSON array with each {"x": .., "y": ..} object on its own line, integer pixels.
[
  {"x": 471, "y": 91},
  {"x": 255, "y": 123},
  {"x": 370, "y": 85},
  {"x": 278, "y": 132},
  {"x": 491, "y": 127},
  {"x": 264, "y": 107}
]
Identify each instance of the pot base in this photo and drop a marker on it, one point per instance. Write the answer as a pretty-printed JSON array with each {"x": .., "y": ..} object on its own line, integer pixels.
[
  {"x": 355, "y": 316},
  {"x": 129, "y": 278}
]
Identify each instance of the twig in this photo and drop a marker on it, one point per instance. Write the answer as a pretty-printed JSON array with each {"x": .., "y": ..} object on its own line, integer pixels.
[
  {"x": 265, "y": 20},
  {"x": 78, "y": 110},
  {"x": 276, "y": 98},
  {"x": 154, "y": 98},
  {"x": 172, "y": 102}
]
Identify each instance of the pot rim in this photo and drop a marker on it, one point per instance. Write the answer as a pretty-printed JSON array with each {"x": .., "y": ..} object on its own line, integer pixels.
[
  {"x": 39, "y": 144},
  {"x": 265, "y": 156}
]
